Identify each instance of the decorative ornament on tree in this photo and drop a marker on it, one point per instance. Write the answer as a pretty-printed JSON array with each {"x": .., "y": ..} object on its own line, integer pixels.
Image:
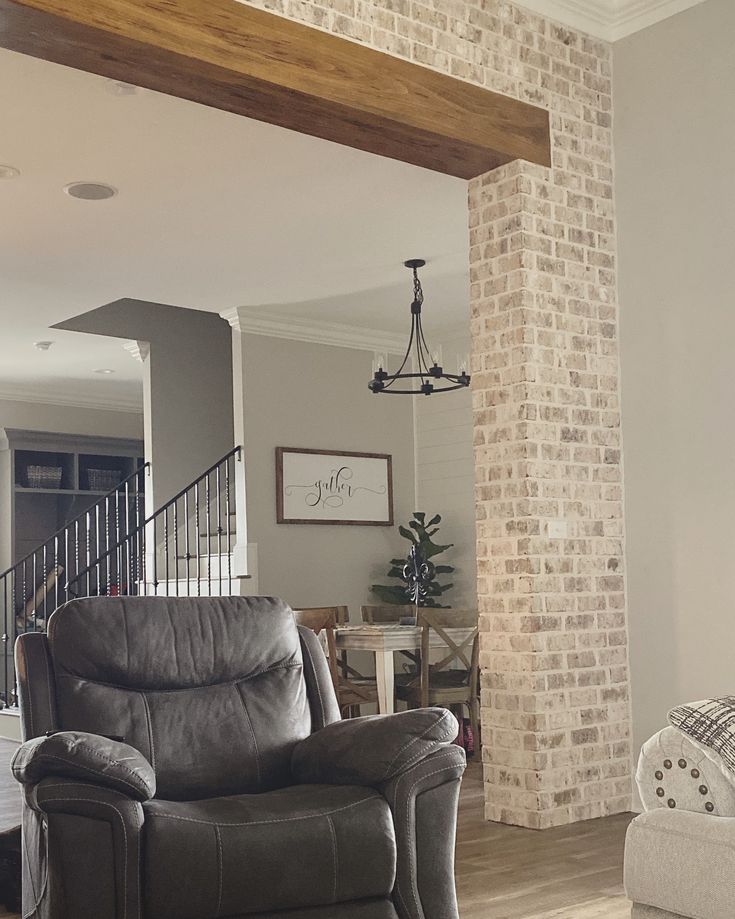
[{"x": 418, "y": 573}]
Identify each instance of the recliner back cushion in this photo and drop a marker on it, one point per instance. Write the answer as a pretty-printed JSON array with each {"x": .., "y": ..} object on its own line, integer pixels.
[{"x": 211, "y": 689}]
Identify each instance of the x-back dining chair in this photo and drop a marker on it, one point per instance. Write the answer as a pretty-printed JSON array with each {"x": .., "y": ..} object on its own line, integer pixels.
[
  {"x": 453, "y": 680},
  {"x": 375, "y": 615},
  {"x": 352, "y": 688}
]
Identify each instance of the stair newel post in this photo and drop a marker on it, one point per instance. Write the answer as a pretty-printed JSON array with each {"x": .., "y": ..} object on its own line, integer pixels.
[{"x": 238, "y": 554}]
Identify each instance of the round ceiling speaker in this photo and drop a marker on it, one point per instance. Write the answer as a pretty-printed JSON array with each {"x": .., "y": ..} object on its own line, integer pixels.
[{"x": 90, "y": 191}]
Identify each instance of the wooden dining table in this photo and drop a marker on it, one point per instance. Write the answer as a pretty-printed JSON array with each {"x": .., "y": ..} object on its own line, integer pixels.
[{"x": 384, "y": 640}]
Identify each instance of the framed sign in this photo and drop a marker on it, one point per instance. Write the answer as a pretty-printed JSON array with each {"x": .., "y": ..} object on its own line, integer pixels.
[{"x": 334, "y": 487}]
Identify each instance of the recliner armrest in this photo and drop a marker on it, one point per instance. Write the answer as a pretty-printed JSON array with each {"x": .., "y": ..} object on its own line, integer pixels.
[
  {"x": 87, "y": 757},
  {"x": 373, "y": 749}
]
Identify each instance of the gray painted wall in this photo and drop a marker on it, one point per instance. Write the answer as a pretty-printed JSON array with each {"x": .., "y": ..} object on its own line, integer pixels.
[
  {"x": 306, "y": 395},
  {"x": 674, "y": 140},
  {"x": 70, "y": 419},
  {"x": 188, "y": 385}
]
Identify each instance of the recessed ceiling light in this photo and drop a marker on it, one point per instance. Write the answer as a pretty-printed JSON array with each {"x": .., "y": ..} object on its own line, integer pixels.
[
  {"x": 90, "y": 191},
  {"x": 42, "y": 345},
  {"x": 8, "y": 172},
  {"x": 104, "y": 370}
]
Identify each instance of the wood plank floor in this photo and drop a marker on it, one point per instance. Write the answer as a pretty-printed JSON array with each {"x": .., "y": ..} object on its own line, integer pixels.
[
  {"x": 502, "y": 872},
  {"x": 507, "y": 872}
]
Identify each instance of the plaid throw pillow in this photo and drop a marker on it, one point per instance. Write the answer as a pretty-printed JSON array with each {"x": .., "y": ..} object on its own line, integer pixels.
[{"x": 710, "y": 722}]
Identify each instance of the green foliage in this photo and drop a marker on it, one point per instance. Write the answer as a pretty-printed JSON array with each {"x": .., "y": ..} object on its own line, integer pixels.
[{"x": 418, "y": 533}]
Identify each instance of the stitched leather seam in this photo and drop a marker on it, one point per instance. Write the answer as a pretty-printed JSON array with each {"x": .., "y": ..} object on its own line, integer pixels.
[
  {"x": 149, "y": 723},
  {"x": 220, "y": 860},
  {"x": 335, "y": 862},
  {"x": 125, "y": 838},
  {"x": 412, "y": 872},
  {"x": 423, "y": 755},
  {"x": 252, "y": 731},
  {"x": 293, "y": 665},
  {"x": 48, "y": 685},
  {"x": 44, "y": 756},
  {"x": 306, "y": 647},
  {"x": 416, "y": 740},
  {"x": 39, "y": 897},
  {"x": 28, "y": 697},
  {"x": 96, "y": 753},
  {"x": 263, "y": 822}
]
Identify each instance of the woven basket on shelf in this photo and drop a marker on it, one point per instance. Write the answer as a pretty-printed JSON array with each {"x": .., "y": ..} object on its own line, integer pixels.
[
  {"x": 103, "y": 479},
  {"x": 43, "y": 476}
]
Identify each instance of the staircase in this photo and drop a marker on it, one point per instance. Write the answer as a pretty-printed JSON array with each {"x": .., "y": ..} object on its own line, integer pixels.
[{"x": 185, "y": 548}]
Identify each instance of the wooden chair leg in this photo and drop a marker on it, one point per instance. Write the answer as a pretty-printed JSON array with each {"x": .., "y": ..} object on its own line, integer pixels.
[{"x": 474, "y": 707}]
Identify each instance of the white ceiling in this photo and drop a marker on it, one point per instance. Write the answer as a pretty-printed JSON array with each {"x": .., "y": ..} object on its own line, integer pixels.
[
  {"x": 214, "y": 211},
  {"x": 609, "y": 19}
]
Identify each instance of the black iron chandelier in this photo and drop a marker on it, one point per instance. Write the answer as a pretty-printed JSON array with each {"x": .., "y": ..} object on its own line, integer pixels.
[{"x": 428, "y": 375}]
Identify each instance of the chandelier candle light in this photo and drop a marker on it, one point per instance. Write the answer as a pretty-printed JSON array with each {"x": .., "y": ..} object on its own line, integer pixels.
[{"x": 427, "y": 363}]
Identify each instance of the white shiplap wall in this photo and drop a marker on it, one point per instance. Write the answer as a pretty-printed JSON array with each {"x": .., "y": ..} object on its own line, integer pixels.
[{"x": 445, "y": 470}]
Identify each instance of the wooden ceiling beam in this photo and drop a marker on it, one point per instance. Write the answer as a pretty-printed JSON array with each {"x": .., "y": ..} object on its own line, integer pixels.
[{"x": 231, "y": 56}]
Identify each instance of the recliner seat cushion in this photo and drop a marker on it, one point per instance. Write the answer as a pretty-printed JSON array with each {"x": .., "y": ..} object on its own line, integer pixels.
[
  {"x": 210, "y": 690},
  {"x": 302, "y": 846}
]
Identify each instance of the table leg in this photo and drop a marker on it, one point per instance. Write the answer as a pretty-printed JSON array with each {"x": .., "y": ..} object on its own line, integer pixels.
[{"x": 385, "y": 678}]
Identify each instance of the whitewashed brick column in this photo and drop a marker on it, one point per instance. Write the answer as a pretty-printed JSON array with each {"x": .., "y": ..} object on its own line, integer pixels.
[
  {"x": 549, "y": 506},
  {"x": 547, "y": 416}
]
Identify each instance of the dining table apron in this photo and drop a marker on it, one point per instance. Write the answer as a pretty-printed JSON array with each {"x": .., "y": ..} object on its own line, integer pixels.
[{"x": 383, "y": 640}]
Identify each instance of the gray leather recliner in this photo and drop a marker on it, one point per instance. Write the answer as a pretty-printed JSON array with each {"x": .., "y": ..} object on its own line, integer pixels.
[{"x": 185, "y": 759}]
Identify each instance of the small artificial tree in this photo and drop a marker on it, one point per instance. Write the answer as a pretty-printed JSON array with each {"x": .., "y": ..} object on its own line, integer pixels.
[{"x": 419, "y": 533}]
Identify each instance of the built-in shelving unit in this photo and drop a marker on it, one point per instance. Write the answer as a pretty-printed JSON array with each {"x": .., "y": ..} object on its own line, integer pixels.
[{"x": 48, "y": 479}]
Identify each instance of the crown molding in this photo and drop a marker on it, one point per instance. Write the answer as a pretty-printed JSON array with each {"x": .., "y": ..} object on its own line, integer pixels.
[
  {"x": 608, "y": 19},
  {"x": 138, "y": 350},
  {"x": 338, "y": 334},
  {"x": 51, "y": 396}
]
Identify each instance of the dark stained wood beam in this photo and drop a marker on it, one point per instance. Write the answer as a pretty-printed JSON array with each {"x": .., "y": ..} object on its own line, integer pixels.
[{"x": 231, "y": 56}]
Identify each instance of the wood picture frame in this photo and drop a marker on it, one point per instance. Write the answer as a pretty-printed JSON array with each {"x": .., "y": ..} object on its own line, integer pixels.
[{"x": 333, "y": 487}]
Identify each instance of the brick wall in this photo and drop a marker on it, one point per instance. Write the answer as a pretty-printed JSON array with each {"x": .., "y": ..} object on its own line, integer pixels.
[{"x": 548, "y": 468}]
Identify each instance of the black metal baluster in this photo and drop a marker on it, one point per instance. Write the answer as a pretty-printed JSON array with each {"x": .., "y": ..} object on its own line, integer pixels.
[
  {"x": 186, "y": 543},
  {"x": 67, "y": 565},
  {"x": 209, "y": 539},
  {"x": 32, "y": 599},
  {"x": 143, "y": 551},
  {"x": 45, "y": 576},
  {"x": 218, "y": 487},
  {"x": 7, "y": 598},
  {"x": 127, "y": 538},
  {"x": 119, "y": 544},
  {"x": 167, "y": 571},
  {"x": 196, "y": 537},
  {"x": 176, "y": 544},
  {"x": 229, "y": 531},
  {"x": 77, "y": 550},
  {"x": 57, "y": 573},
  {"x": 155, "y": 559},
  {"x": 96, "y": 552}
]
